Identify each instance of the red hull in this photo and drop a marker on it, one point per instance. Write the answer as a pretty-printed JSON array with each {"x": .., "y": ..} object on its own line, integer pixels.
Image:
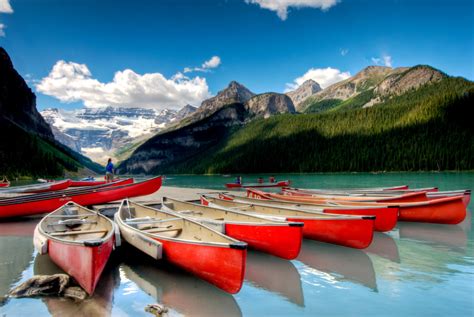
[
  {"x": 353, "y": 233},
  {"x": 47, "y": 203},
  {"x": 406, "y": 197},
  {"x": 450, "y": 210},
  {"x": 84, "y": 263},
  {"x": 386, "y": 218},
  {"x": 263, "y": 185},
  {"x": 4, "y": 184},
  {"x": 281, "y": 241},
  {"x": 223, "y": 267},
  {"x": 56, "y": 186}
]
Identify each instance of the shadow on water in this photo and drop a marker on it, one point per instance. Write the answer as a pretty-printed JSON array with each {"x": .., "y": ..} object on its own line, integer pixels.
[
  {"x": 341, "y": 262},
  {"x": 99, "y": 304},
  {"x": 276, "y": 275},
  {"x": 384, "y": 246},
  {"x": 176, "y": 289}
]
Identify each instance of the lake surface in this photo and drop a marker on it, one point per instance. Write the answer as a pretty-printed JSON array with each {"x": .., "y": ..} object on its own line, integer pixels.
[{"x": 415, "y": 270}]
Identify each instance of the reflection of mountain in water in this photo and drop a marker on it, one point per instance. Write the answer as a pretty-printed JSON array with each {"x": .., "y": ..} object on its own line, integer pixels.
[
  {"x": 16, "y": 254},
  {"x": 178, "y": 290},
  {"x": 341, "y": 262},
  {"x": 384, "y": 246},
  {"x": 275, "y": 275},
  {"x": 100, "y": 304}
]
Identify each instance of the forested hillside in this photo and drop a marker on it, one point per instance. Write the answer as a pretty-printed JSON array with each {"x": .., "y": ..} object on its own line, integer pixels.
[{"x": 429, "y": 128}]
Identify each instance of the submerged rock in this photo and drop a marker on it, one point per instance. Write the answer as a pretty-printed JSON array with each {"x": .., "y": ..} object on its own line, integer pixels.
[{"x": 48, "y": 285}]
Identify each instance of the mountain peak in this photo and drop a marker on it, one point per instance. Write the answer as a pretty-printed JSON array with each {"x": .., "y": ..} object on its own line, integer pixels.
[
  {"x": 233, "y": 93},
  {"x": 305, "y": 90}
]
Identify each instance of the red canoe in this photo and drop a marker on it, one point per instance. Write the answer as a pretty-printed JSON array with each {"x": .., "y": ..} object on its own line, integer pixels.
[
  {"x": 279, "y": 238},
  {"x": 350, "y": 231},
  {"x": 4, "y": 184},
  {"x": 385, "y": 216},
  {"x": 359, "y": 197},
  {"x": 47, "y": 202},
  {"x": 38, "y": 188},
  {"x": 78, "y": 240},
  {"x": 200, "y": 250},
  {"x": 258, "y": 185},
  {"x": 449, "y": 210}
]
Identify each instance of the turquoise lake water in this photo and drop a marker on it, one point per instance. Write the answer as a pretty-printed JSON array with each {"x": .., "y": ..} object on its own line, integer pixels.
[{"x": 415, "y": 270}]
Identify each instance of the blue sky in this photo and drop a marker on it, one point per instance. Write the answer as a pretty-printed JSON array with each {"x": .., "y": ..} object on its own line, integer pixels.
[{"x": 252, "y": 43}]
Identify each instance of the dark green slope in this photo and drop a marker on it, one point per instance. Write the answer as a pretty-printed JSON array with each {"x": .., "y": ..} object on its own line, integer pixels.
[
  {"x": 24, "y": 153},
  {"x": 424, "y": 129}
]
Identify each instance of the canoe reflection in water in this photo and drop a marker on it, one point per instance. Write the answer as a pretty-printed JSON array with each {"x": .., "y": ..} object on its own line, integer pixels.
[
  {"x": 437, "y": 234},
  {"x": 275, "y": 275},
  {"x": 384, "y": 246},
  {"x": 340, "y": 262},
  {"x": 177, "y": 289},
  {"x": 100, "y": 304}
]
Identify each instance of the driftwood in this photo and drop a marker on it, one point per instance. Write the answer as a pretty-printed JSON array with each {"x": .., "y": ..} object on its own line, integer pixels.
[{"x": 48, "y": 285}]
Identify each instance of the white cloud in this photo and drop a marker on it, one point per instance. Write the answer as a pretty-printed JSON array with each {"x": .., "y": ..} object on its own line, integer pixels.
[
  {"x": 323, "y": 76},
  {"x": 5, "y": 6},
  {"x": 384, "y": 60},
  {"x": 213, "y": 62},
  {"x": 72, "y": 82},
  {"x": 281, "y": 6},
  {"x": 2, "y": 30},
  {"x": 344, "y": 51}
]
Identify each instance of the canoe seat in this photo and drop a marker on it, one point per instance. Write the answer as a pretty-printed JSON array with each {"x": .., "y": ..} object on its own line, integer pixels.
[
  {"x": 72, "y": 222},
  {"x": 160, "y": 230},
  {"x": 148, "y": 220},
  {"x": 190, "y": 212},
  {"x": 68, "y": 233}
]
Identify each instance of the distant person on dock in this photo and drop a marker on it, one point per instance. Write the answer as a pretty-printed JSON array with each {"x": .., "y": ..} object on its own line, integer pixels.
[
  {"x": 109, "y": 171},
  {"x": 238, "y": 180},
  {"x": 260, "y": 180},
  {"x": 272, "y": 179}
]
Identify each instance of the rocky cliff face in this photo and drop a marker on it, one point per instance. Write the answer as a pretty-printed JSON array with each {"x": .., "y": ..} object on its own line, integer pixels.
[
  {"x": 163, "y": 150},
  {"x": 234, "y": 93},
  {"x": 412, "y": 78},
  {"x": 269, "y": 104},
  {"x": 185, "y": 111},
  {"x": 303, "y": 92},
  {"x": 17, "y": 101},
  {"x": 379, "y": 82}
]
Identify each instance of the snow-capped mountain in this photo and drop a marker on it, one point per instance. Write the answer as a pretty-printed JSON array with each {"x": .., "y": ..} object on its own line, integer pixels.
[{"x": 99, "y": 132}]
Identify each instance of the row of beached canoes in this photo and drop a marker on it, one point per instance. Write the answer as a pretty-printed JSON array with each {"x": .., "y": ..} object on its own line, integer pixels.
[{"x": 210, "y": 239}]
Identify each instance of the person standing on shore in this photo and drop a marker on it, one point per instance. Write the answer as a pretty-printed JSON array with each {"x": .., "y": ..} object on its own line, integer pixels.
[{"x": 109, "y": 171}]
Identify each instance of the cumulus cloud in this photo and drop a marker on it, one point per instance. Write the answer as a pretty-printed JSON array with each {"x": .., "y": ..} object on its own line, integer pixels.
[
  {"x": 73, "y": 82},
  {"x": 323, "y": 76},
  {"x": 384, "y": 60},
  {"x": 281, "y": 6},
  {"x": 213, "y": 62},
  {"x": 5, "y": 6}
]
